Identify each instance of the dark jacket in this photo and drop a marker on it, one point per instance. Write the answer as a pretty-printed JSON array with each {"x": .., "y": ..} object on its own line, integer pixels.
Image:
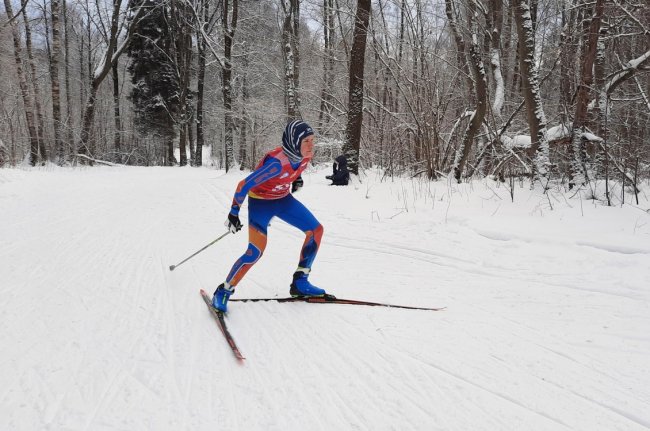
[{"x": 340, "y": 174}]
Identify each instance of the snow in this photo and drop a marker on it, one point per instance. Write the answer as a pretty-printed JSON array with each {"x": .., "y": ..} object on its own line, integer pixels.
[
  {"x": 546, "y": 327},
  {"x": 558, "y": 132},
  {"x": 554, "y": 133},
  {"x": 518, "y": 141}
]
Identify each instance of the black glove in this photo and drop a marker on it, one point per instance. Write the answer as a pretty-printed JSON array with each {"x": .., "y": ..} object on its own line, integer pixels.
[
  {"x": 329, "y": 177},
  {"x": 297, "y": 184},
  {"x": 234, "y": 224}
]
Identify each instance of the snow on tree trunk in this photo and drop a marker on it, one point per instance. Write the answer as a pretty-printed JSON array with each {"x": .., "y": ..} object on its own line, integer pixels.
[
  {"x": 499, "y": 90},
  {"x": 290, "y": 54},
  {"x": 495, "y": 22},
  {"x": 480, "y": 79},
  {"x": 578, "y": 172},
  {"x": 530, "y": 87}
]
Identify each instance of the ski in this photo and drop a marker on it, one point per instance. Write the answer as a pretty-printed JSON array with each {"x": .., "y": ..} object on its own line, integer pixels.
[
  {"x": 330, "y": 299},
  {"x": 219, "y": 317}
]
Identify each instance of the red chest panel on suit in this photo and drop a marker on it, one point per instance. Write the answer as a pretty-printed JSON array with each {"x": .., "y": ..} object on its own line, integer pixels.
[{"x": 279, "y": 186}]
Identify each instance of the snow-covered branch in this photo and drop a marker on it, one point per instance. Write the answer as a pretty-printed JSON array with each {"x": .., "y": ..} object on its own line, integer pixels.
[{"x": 629, "y": 69}]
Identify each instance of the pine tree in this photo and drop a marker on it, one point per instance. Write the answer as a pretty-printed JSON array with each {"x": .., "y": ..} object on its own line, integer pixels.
[{"x": 155, "y": 91}]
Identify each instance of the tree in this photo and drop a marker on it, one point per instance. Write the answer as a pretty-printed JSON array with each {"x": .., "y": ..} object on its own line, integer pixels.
[
  {"x": 114, "y": 48},
  {"x": 290, "y": 41},
  {"x": 202, "y": 28},
  {"x": 578, "y": 172},
  {"x": 229, "y": 22},
  {"x": 480, "y": 84},
  {"x": 54, "y": 75},
  {"x": 155, "y": 92},
  {"x": 352, "y": 143},
  {"x": 530, "y": 87},
  {"x": 24, "y": 91},
  {"x": 326, "y": 99},
  {"x": 34, "y": 78},
  {"x": 180, "y": 23}
]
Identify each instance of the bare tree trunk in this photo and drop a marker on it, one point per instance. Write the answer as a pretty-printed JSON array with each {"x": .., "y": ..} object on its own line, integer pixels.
[
  {"x": 325, "y": 112},
  {"x": 68, "y": 87},
  {"x": 117, "y": 138},
  {"x": 352, "y": 144},
  {"x": 180, "y": 23},
  {"x": 200, "y": 83},
  {"x": 507, "y": 57},
  {"x": 245, "y": 120},
  {"x": 530, "y": 87},
  {"x": 566, "y": 60},
  {"x": 230, "y": 25},
  {"x": 54, "y": 74},
  {"x": 37, "y": 93},
  {"x": 24, "y": 91},
  {"x": 578, "y": 173},
  {"x": 461, "y": 57}
]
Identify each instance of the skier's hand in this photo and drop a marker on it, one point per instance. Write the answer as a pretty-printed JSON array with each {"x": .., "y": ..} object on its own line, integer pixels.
[
  {"x": 233, "y": 223},
  {"x": 297, "y": 184}
]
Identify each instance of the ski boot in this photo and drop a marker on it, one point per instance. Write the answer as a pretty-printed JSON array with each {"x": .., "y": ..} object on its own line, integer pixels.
[
  {"x": 221, "y": 296},
  {"x": 302, "y": 287}
]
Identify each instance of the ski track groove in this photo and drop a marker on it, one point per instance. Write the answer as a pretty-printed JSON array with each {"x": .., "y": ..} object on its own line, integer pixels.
[{"x": 346, "y": 358}]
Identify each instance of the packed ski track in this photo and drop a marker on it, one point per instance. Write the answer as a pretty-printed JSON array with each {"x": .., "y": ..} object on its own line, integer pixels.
[{"x": 547, "y": 325}]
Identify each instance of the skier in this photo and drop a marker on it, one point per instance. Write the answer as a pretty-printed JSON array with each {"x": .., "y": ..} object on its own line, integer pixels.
[{"x": 268, "y": 188}]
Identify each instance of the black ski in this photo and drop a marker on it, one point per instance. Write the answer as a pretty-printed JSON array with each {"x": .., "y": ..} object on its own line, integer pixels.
[
  {"x": 330, "y": 299},
  {"x": 218, "y": 316}
]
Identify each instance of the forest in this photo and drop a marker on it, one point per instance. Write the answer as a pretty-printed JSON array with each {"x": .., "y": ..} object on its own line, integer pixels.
[{"x": 541, "y": 89}]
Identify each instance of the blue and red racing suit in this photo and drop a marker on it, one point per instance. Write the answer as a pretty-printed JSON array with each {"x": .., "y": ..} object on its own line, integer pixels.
[{"x": 268, "y": 189}]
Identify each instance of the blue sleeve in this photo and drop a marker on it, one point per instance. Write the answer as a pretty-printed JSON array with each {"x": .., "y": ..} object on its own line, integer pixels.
[{"x": 271, "y": 168}]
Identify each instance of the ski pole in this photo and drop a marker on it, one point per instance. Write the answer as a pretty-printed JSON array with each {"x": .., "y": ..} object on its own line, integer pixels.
[{"x": 172, "y": 267}]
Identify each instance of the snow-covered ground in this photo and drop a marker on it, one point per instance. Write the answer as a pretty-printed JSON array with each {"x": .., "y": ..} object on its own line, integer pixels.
[{"x": 547, "y": 325}]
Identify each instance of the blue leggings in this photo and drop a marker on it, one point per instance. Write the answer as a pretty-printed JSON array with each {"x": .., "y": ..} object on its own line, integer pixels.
[{"x": 260, "y": 213}]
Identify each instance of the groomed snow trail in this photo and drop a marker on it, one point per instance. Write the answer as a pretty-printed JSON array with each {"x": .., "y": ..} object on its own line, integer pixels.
[{"x": 547, "y": 325}]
